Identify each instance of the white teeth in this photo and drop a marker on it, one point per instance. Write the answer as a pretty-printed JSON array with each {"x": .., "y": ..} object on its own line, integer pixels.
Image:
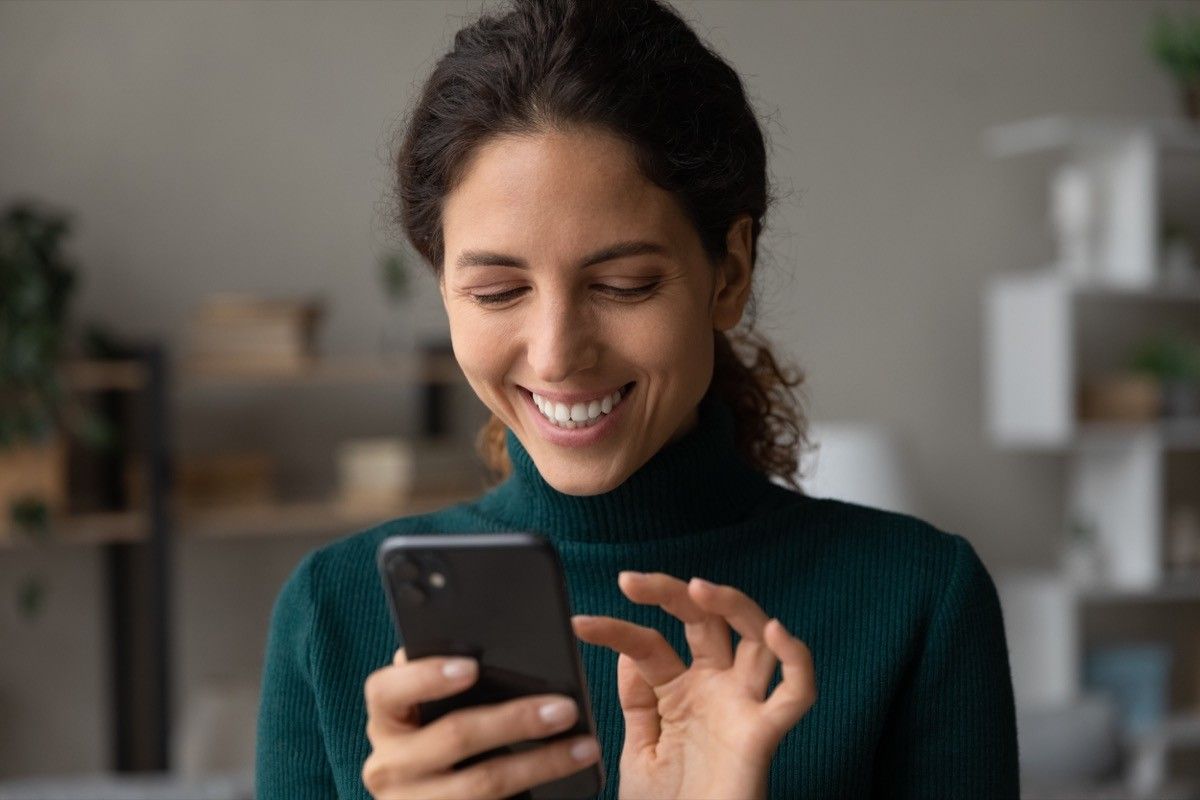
[{"x": 578, "y": 415}]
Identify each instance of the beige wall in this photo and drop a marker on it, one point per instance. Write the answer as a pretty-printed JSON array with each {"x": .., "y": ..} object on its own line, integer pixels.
[{"x": 217, "y": 146}]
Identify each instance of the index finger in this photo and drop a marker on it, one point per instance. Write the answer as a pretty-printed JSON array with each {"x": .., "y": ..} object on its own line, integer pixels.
[
  {"x": 393, "y": 692},
  {"x": 743, "y": 614}
]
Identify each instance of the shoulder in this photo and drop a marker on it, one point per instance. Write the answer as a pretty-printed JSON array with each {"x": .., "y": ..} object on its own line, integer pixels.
[
  {"x": 346, "y": 561},
  {"x": 887, "y": 550}
]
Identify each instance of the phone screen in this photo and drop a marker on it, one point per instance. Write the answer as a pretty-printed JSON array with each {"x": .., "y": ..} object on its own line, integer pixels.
[{"x": 501, "y": 599}]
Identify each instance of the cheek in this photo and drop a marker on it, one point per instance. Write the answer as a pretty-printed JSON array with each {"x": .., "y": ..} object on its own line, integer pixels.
[
  {"x": 669, "y": 342},
  {"x": 479, "y": 347}
]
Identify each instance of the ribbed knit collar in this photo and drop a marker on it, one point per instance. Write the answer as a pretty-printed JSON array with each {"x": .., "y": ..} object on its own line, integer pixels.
[{"x": 695, "y": 483}]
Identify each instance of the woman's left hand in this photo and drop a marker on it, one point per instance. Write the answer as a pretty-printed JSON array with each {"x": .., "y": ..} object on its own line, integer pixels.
[{"x": 704, "y": 730}]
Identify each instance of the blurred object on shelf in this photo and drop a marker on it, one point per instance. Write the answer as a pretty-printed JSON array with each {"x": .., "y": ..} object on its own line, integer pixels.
[
  {"x": 213, "y": 481},
  {"x": 216, "y": 733},
  {"x": 398, "y": 338},
  {"x": 1043, "y": 640},
  {"x": 1183, "y": 540},
  {"x": 225, "y": 479},
  {"x": 1179, "y": 257},
  {"x": 31, "y": 472},
  {"x": 385, "y": 471},
  {"x": 1137, "y": 677},
  {"x": 1073, "y": 220},
  {"x": 1124, "y": 397},
  {"x": 1177, "y": 48},
  {"x": 1173, "y": 359},
  {"x": 1082, "y": 558},
  {"x": 1068, "y": 746},
  {"x": 244, "y": 332}
]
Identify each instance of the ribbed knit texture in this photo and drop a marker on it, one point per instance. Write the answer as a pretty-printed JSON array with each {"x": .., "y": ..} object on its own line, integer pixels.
[{"x": 903, "y": 621}]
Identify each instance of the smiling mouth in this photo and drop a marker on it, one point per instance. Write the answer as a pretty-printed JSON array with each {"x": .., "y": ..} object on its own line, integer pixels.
[{"x": 571, "y": 425}]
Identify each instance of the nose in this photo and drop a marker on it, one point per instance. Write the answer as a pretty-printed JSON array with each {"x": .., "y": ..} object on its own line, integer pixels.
[{"x": 560, "y": 341}]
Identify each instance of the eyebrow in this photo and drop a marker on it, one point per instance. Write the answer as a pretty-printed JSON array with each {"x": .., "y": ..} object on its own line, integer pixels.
[{"x": 487, "y": 258}]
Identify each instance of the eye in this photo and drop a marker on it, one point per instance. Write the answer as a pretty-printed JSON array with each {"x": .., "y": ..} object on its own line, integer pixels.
[
  {"x": 616, "y": 291},
  {"x": 499, "y": 297},
  {"x": 635, "y": 291}
]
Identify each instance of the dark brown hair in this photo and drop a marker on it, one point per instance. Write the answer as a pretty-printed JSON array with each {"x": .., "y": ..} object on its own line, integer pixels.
[{"x": 635, "y": 69}]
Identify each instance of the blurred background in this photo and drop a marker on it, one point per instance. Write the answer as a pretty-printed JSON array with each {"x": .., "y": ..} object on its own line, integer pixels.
[{"x": 984, "y": 257}]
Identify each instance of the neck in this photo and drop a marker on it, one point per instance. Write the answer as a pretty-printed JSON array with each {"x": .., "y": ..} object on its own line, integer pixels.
[{"x": 695, "y": 482}]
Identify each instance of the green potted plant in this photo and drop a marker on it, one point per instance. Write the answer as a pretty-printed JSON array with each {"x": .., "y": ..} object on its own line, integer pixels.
[
  {"x": 36, "y": 284},
  {"x": 37, "y": 281},
  {"x": 1174, "y": 361},
  {"x": 1177, "y": 48}
]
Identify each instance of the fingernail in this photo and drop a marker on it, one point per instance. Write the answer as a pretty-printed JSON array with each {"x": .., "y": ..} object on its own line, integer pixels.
[
  {"x": 585, "y": 750},
  {"x": 457, "y": 668},
  {"x": 702, "y": 583},
  {"x": 556, "y": 711}
]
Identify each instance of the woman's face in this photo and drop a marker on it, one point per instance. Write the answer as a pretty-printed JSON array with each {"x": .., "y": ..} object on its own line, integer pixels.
[{"x": 569, "y": 276}]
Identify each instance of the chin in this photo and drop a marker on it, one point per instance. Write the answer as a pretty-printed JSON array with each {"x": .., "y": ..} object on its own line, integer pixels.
[{"x": 582, "y": 486}]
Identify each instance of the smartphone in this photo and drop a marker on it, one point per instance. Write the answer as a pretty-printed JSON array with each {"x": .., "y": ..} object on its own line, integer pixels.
[{"x": 500, "y": 598}]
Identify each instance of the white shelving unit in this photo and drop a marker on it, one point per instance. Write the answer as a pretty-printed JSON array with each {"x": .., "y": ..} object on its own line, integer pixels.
[{"x": 1048, "y": 329}]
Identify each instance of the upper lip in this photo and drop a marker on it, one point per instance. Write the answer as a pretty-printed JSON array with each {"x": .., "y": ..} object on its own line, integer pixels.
[{"x": 570, "y": 398}]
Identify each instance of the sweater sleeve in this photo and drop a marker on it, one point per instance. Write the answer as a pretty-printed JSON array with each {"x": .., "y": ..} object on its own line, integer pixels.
[
  {"x": 952, "y": 731},
  {"x": 290, "y": 757}
]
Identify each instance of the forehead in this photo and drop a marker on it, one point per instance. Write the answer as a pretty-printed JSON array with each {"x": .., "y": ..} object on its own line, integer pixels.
[{"x": 563, "y": 188}]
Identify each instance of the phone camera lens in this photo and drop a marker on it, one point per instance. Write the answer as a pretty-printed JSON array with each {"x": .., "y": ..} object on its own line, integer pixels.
[
  {"x": 410, "y": 595},
  {"x": 406, "y": 570},
  {"x": 437, "y": 580}
]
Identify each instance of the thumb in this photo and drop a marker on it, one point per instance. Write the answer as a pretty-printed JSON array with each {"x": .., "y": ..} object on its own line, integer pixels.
[{"x": 639, "y": 704}]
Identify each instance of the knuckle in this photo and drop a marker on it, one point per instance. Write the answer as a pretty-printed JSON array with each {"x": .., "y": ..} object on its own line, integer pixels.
[
  {"x": 456, "y": 733},
  {"x": 378, "y": 774},
  {"x": 373, "y": 687}
]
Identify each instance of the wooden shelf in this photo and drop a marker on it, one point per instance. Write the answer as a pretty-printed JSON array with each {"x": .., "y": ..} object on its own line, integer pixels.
[
  {"x": 1172, "y": 434},
  {"x": 1179, "y": 291},
  {"x": 327, "y": 370},
  {"x": 280, "y": 520},
  {"x": 309, "y": 518},
  {"x": 1174, "y": 588},
  {"x": 107, "y": 527}
]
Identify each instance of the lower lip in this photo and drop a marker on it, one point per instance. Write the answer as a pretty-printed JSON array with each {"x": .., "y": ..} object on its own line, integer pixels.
[{"x": 579, "y": 437}]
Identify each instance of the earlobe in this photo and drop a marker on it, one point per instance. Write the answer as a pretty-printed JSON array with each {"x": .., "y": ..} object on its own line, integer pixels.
[{"x": 733, "y": 277}]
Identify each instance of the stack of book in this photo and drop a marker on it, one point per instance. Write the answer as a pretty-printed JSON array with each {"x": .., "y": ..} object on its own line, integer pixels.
[
  {"x": 384, "y": 473},
  {"x": 234, "y": 331}
]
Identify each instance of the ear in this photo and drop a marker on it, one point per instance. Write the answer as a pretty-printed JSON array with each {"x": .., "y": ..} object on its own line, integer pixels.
[{"x": 732, "y": 287}]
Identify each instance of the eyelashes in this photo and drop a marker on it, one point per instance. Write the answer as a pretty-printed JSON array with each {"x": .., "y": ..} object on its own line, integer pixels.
[{"x": 502, "y": 297}]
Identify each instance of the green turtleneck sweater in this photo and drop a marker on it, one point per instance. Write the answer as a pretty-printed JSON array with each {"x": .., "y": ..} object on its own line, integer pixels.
[{"x": 903, "y": 621}]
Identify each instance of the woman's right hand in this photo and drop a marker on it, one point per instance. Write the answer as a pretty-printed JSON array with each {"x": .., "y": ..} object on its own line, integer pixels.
[{"x": 412, "y": 760}]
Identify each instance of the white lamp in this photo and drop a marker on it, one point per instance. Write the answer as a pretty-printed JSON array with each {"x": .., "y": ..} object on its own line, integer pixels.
[{"x": 859, "y": 463}]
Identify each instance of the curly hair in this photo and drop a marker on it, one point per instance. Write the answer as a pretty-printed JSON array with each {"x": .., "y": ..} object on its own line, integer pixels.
[{"x": 634, "y": 69}]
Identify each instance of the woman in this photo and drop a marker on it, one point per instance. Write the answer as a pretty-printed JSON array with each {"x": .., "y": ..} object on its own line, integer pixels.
[{"x": 588, "y": 182}]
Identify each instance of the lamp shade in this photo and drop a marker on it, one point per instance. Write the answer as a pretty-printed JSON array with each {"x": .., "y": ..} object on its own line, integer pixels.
[{"x": 859, "y": 463}]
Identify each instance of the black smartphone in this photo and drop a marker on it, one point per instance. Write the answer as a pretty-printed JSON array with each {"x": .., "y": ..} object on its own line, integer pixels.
[{"x": 500, "y": 598}]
